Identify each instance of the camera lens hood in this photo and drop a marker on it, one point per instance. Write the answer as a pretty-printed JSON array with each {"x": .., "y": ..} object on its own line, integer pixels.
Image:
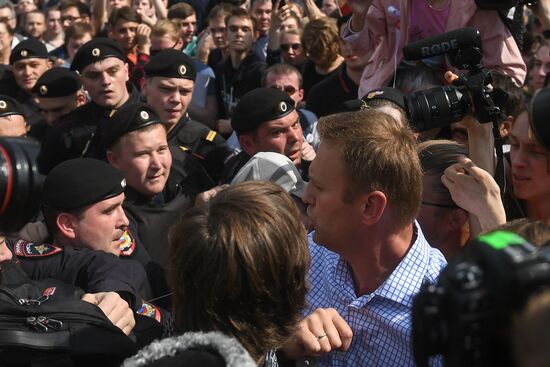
[{"x": 20, "y": 183}]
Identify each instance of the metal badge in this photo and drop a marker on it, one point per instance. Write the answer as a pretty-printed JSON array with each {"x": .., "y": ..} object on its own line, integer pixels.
[
  {"x": 283, "y": 107},
  {"x": 24, "y": 53},
  {"x": 182, "y": 70},
  {"x": 96, "y": 52},
  {"x": 3, "y": 105},
  {"x": 43, "y": 90},
  {"x": 144, "y": 115}
]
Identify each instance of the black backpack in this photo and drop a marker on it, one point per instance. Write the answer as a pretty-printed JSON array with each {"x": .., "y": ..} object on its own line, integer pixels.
[{"x": 44, "y": 323}]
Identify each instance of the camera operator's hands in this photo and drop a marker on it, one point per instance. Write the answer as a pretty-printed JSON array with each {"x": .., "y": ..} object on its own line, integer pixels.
[
  {"x": 321, "y": 332},
  {"x": 359, "y": 8},
  {"x": 115, "y": 308},
  {"x": 475, "y": 191}
]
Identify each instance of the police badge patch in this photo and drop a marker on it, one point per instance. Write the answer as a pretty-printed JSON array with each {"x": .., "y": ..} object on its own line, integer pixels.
[
  {"x": 127, "y": 244},
  {"x": 150, "y": 310},
  {"x": 23, "y": 248}
]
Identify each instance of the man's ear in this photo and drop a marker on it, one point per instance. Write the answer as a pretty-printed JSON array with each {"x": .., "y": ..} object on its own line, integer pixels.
[
  {"x": 505, "y": 127},
  {"x": 112, "y": 158},
  {"x": 66, "y": 225},
  {"x": 247, "y": 143},
  {"x": 373, "y": 206},
  {"x": 179, "y": 44},
  {"x": 80, "y": 98}
]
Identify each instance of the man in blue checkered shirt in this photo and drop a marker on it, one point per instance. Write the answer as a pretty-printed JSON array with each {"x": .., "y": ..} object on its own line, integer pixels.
[{"x": 369, "y": 256}]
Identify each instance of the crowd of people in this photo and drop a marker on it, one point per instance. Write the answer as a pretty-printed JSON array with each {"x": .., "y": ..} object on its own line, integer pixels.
[{"x": 249, "y": 175}]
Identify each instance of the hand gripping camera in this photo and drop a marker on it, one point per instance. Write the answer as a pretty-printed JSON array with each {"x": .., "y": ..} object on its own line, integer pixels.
[
  {"x": 467, "y": 316},
  {"x": 471, "y": 94}
]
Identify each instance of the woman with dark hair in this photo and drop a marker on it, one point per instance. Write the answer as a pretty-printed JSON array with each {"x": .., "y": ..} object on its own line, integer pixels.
[{"x": 238, "y": 268}]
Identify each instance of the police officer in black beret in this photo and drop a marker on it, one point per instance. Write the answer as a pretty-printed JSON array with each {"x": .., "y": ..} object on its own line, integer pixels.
[
  {"x": 162, "y": 180},
  {"x": 168, "y": 88},
  {"x": 103, "y": 71},
  {"x": 59, "y": 92},
  {"x": 12, "y": 117},
  {"x": 28, "y": 60},
  {"x": 265, "y": 120},
  {"x": 82, "y": 204}
]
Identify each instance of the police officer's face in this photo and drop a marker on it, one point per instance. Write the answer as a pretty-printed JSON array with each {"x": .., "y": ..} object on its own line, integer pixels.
[
  {"x": 106, "y": 80},
  {"x": 52, "y": 109},
  {"x": 101, "y": 225},
  {"x": 27, "y": 71},
  {"x": 13, "y": 125},
  {"x": 145, "y": 158},
  {"x": 282, "y": 136},
  {"x": 169, "y": 97}
]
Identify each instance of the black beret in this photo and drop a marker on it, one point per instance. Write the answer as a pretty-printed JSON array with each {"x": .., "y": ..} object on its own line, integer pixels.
[
  {"x": 57, "y": 82},
  {"x": 539, "y": 117},
  {"x": 387, "y": 93},
  {"x": 122, "y": 121},
  {"x": 10, "y": 106},
  {"x": 79, "y": 182},
  {"x": 170, "y": 63},
  {"x": 28, "y": 49},
  {"x": 96, "y": 50},
  {"x": 260, "y": 105}
]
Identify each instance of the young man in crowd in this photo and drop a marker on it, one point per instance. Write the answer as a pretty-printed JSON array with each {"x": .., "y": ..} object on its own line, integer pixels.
[
  {"x": 186, "y": 16},
  {"x": 104, "y": 75},
  {"x": 242, "y": 70},
  {"x": 369, "y": 256},
  {"x": 6, "y": 38},
  {"x": 74, "y": 11},
  {"x": 34, "y": 25},
  {"x": 126, "y": 28},
  {"x": 53, "y": 38},
  {"x": 261, "y": 11}
]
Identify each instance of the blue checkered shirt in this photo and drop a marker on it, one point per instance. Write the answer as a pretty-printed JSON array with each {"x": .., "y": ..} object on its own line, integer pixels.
[{"x": 381, "y": 321}]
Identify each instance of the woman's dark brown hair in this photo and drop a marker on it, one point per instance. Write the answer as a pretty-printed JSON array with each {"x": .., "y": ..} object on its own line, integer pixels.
[{"x": 239, "y": 265}]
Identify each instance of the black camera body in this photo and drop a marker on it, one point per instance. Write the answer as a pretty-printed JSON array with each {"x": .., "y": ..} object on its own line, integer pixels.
[
  {"x": 503, "y": 4},
  {"x": 467, "y": 316},
  {"x": 471, "y": 94}
]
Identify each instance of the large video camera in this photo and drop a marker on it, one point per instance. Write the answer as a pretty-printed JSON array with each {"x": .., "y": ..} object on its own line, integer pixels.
[
  {"x": 471, "y": 94},
  {"x": 503, "y": 4},
  {"x": 467, "y": 316},
  {"x": 20, "y": 183}
]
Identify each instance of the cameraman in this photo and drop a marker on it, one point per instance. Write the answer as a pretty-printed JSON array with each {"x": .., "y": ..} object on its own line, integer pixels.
[{"x": 385, "y": 26}]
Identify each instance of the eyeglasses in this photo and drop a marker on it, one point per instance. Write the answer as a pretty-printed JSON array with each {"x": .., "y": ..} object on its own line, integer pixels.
[
  {"x": 69, "y": 18},
  {"x": 288, "y": 89},
  {"x": 285, "y": 47},
  {"x": 448, "y": 206}
]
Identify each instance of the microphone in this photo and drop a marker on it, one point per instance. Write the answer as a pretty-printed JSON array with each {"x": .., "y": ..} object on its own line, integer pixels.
[{"x": 439, "y": 45}]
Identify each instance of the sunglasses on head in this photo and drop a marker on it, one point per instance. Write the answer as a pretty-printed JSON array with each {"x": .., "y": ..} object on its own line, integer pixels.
[
  {"x": 285, "y": 47},
  {"x": 288, "y": 89}
]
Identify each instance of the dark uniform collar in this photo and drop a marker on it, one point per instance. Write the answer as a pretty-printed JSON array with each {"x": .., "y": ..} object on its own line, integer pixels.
[
  {"x": 171, "y": 190},
  {"x": 179, "y": 125}
]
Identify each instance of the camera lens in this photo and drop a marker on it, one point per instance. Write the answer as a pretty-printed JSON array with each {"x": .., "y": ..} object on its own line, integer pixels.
[
  {"x": 437, "y": 107},
  {"x": 20, "y": 183}
]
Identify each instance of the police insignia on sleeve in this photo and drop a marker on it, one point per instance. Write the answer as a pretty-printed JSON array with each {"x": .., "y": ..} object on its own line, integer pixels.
[
  {"x": 150, "y": 310},
  {"x": 127, "y": 244},
  {"x": 24, "y": 248}
]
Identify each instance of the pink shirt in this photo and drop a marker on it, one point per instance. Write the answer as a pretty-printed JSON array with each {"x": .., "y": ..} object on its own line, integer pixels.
[{"x": 426, "y": 21}]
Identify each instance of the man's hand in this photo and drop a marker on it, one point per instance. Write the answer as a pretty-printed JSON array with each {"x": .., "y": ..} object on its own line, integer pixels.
[
  {"x": 475, "y": 191},
  {"x": 204, "y": 197},
  {"x": 115, "y": 308},
  {"x": 34, "y": 232},
  {"x": 143, "y": 35},
  {"x": 308, "y": 153},
  {"x": 359, "y": 8},
  {"x": 319, "y": 333}
]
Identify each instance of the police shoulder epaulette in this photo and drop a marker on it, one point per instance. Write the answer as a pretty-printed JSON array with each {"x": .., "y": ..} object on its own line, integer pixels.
[
  {"x": 127, "y": 244},
  {"x": 150, "y": 310},
  {"x": 24, "y": 248},
  {"x": 185, "y": 149},
  {"x": 211, "y": 136}
]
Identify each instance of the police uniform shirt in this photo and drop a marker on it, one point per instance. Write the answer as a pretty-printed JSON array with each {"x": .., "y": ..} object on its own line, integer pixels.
[
  {"x": 73, "y": 137},
  {"x": 199, "y": 140}
]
